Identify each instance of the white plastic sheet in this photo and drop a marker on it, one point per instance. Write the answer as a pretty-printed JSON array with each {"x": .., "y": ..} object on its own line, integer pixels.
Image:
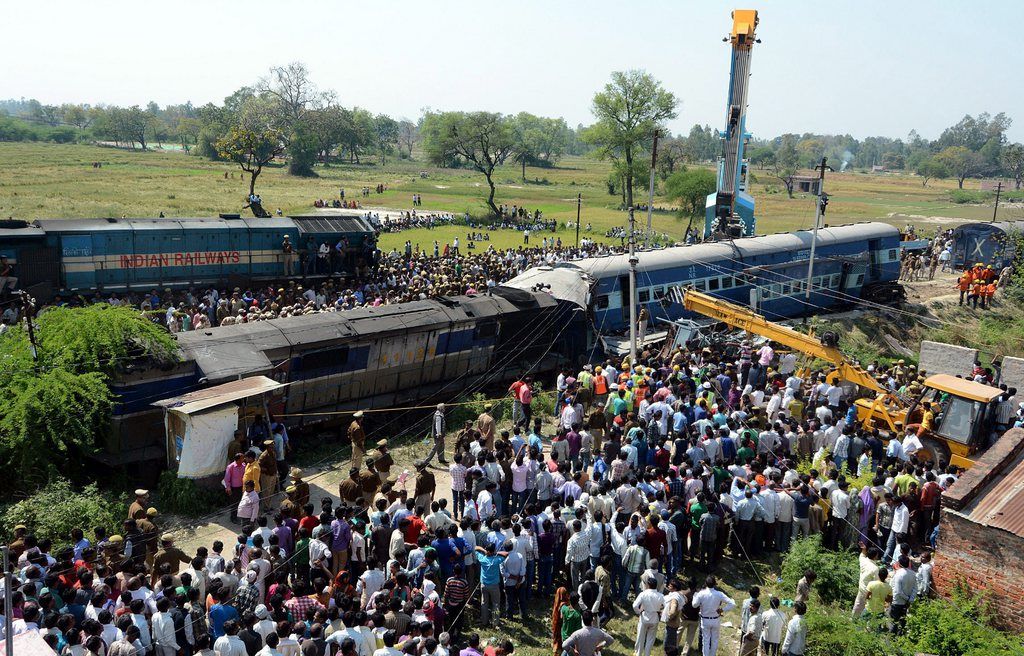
[{"x": 204, "y": 450}]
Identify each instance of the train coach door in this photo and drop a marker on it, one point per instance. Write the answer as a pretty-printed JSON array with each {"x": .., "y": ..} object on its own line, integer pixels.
[{"x": 627, "y": 297}]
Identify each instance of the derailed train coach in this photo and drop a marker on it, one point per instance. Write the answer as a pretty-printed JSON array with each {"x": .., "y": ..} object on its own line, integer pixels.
[
  {"x": 768, "y": 274},
  {"x": 391, "y": 356}
]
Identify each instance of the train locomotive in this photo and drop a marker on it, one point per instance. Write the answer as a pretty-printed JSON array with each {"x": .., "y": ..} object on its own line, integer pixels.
[{"x": 71, "y": 256}]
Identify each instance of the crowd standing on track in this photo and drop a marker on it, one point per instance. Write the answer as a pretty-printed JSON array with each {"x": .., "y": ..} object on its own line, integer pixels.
[{"x": 655, "y": 473}]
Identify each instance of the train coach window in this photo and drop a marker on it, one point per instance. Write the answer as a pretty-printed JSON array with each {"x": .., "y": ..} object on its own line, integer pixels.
[
  {"x": 859, "y": 280},
  {"x": 659, "y": 293},
  {"x": 893, "y": 257},
  {"x": 644, "y": 295},
  {"x": 329, "y": 358},
  {"x": 602, "y": 302},
  {"x": 712, "y": 284},
  {"x": 727, "y": 282},
  {"x": 700, "y": 285},
  {"x": 486, "y": 330}
]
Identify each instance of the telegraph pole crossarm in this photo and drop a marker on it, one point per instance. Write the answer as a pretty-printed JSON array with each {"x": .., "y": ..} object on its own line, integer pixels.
[{"x": 819, "y": 212}]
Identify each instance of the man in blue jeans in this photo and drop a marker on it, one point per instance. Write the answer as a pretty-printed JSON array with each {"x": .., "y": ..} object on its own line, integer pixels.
[
  {"x": 490, "y": 581},
  {"x": 634, "y": 560}
]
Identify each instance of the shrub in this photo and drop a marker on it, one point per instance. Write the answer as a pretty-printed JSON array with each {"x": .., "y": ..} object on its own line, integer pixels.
[
  {"x": 832, "y": 631},
  {"x": 56, "y": 509},
  {"x": 958, "y": 627},
  {"x": 963, "y": 196},
  {"x": 837, "y": 571},
  {"x": 182, "y": 496}
]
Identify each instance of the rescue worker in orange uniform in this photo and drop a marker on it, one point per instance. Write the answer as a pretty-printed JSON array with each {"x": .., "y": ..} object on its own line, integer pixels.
[
  {"x": 964, "y": 285},
  {"x": 977, "y": 291},
  {"x": 990, "y": 291}
]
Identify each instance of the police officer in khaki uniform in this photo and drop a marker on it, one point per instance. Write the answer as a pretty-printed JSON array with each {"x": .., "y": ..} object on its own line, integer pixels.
[
  {"x": 357, "y": 437},
  {"x": 169, "y": 554},
  {"x": 301, "y": 487},
  {"x": 138, "y": 508},
  {"x": 382, "y": 460},
  {"x": 150, "y": 533}
]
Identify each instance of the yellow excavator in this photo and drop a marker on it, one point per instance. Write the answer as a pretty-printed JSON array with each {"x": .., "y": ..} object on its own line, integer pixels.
[{"x": 960, "y": 428}]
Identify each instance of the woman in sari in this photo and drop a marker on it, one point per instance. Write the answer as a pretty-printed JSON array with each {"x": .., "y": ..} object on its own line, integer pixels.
[{"x": 561, "y": 599}]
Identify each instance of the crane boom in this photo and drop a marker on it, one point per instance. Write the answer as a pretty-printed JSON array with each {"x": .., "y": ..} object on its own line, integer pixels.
[
  {"x": 743, "y": 318},
  {"x": 730, "y": 210}
]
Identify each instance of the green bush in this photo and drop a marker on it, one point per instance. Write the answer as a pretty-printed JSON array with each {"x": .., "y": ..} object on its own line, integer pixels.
[
  {"x": 56, "y": 509},
  {"x": 962, "y": 196},
  {"x": 832, "y": 631},
  {"x": 183, "y": 497},
  {"x": 837, "y": 571},
  {"x": 958, "y": 627}
]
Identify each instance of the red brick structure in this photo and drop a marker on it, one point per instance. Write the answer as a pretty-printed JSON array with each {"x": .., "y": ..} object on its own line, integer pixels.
[{"x": 981, "y": 534}]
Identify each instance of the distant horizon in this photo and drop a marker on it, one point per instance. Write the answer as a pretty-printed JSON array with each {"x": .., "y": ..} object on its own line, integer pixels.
[{"x": 876, "y": 79}]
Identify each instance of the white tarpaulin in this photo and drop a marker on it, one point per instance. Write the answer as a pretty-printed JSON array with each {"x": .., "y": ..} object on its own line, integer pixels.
[{"x": 203, "y": 448}]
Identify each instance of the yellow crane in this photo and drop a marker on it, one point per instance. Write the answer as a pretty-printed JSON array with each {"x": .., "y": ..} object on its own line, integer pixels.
[{"x": 964, "y": 412}]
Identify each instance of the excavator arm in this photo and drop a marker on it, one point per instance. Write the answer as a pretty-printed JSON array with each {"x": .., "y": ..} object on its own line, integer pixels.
[{"x": 743, "y": 318}]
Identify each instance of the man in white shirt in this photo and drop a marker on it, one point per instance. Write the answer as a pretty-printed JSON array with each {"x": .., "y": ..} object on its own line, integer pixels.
[
  {"x": 712, "y": 603},
  {"x": 229, "y": 644},
  {"x": 369, "y": 583},
  {"x": 648, "y": 606},
  {"x": 796, "y": 632},
  {"x": 163, "y": 629}
]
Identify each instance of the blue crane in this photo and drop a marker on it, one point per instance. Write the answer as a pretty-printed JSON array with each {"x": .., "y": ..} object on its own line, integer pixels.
[{"x": 729, "y": 212}]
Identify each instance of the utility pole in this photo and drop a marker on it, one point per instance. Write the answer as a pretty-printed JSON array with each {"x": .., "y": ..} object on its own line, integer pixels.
[
  {"x": 819, "y": 212},
  {"x": 28, "y": 310},
  {"x": 632, "y": 288},
  {"x": 999, "y": 190},
  {"x": 8, "y": 604},
  {"x": 650, "y": 193},
  {"x": 579, "y": 203}
]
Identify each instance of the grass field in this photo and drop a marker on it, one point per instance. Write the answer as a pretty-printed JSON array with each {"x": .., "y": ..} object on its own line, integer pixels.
[{"x": 59, "y": 181}]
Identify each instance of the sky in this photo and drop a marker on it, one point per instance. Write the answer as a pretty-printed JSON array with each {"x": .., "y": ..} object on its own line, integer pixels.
[{"x": 864, "y": 67}]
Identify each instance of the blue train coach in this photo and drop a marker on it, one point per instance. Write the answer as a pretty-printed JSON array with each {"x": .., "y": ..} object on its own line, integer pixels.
[
  {"x": 765, "y": 273},
  {"x": 85, "y": 255}
]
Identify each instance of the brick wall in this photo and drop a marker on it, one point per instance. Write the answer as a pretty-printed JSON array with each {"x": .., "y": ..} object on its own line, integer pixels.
[
  {"x": 985, "y": 559},
  {"x": 1013, "y": 372}
]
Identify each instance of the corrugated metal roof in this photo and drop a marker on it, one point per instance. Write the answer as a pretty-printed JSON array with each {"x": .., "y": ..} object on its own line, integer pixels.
[
  {"x": 1001, "y": 503},
  {"x": 219, "y": 395}
]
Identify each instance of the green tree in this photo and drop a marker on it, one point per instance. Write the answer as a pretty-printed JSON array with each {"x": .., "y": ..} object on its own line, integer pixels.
[
  {"x": 929, "y": 168},
  {"x": 302, "y": 150},
  {"x": 251, "y": 150},
  {"x": 385, "y": 129},
  {"x": 691, "y": 188},
  {"x": 629, "y": 110},
  {"x": 484, "y": 140},
  {"x": 784, "y": 166},
  {"x": 1013, "y": 162},
  {"x": 762, "y": 157},
  {"x": 54, "y": 408},
  {"x": 961, "y": 163},
  {"x": 528, "y": 134}
]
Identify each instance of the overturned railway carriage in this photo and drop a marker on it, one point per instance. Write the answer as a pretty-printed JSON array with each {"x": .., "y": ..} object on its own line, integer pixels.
[
  {"x": 366, "y": 358},
  {"x": 768, "y": 274},
  {"x": 991, "y": 244},
  {"x": 55, "y": 256}
]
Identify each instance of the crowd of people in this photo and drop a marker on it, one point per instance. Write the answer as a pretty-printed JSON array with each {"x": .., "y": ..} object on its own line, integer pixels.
[
  {"x": 654, "y": 473},
  {"x": 384, "y": 278}
]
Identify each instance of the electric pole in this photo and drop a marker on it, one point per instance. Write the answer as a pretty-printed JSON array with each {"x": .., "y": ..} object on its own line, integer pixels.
[
  {"x": 632, "y": 288},
  {"x": 579, "y": 203},
  {"x": 999, "y": 190},
  {"x": 819, "y": 212},
  {"x": 28, "y": 310},
  {"x": 650, "y": 194}
]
